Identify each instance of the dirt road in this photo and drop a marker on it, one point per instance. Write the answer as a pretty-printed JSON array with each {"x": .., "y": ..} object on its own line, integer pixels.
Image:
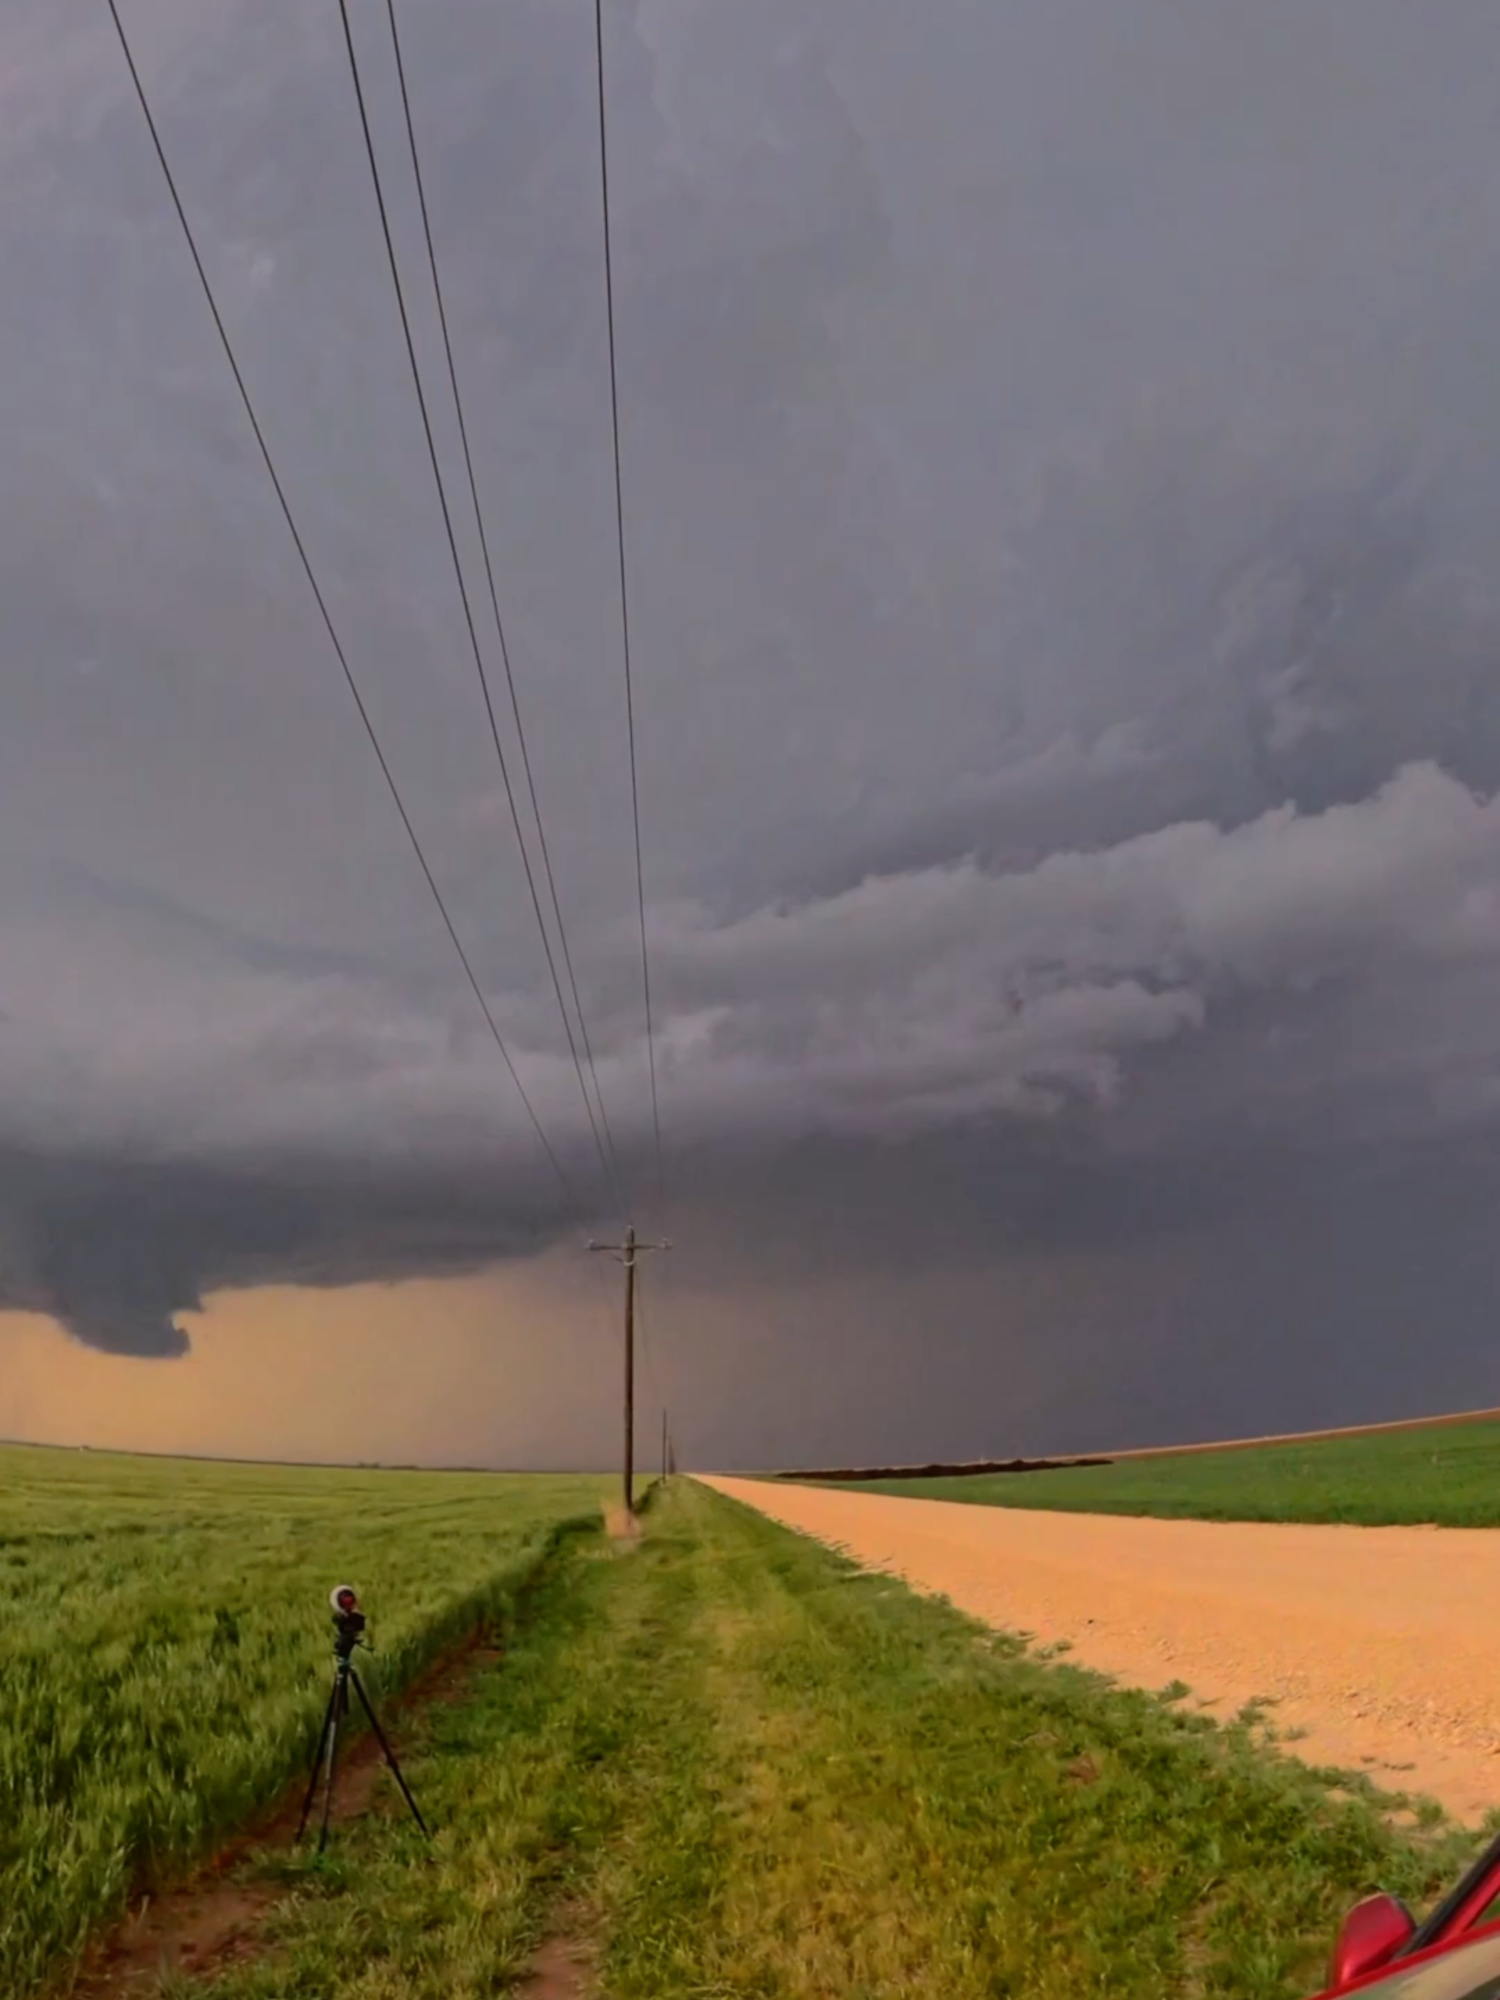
[{"x": 1381, "y": 1644}]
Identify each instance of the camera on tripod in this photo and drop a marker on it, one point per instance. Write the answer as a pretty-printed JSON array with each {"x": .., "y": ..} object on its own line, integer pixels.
[
  {"x": 348, "y": 1619},
  {"x": 348, "y": 1625}
]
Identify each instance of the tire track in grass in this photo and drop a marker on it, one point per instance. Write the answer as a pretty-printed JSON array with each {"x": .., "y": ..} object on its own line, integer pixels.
[{"x": 538, "y": 1783}]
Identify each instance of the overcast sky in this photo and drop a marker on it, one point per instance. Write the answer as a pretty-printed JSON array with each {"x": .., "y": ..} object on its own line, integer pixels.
[{"x": 1063, "y": 502}]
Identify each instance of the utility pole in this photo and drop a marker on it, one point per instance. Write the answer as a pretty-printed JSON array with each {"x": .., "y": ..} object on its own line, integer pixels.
[
  {"x": 664, "y": 1445},
  {"x": 627, "y": 1252}
]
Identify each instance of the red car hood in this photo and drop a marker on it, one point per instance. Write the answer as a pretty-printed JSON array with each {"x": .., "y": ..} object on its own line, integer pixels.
[{"x": 1465, "y": 1970}]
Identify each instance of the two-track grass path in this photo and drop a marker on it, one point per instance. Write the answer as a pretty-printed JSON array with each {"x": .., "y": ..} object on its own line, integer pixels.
[{"x": 1379, "y": 1647}]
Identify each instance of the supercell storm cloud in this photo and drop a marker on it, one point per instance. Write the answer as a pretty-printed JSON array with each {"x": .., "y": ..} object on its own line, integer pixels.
[{"x": 1059, "y": 465}]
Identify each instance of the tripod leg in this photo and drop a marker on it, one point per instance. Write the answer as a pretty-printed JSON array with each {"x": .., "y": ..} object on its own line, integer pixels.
[
  {"x": 312, "y": 1783},
  {"x": 340, "y": 1709},
  {"x": 390, "y": 1755}
]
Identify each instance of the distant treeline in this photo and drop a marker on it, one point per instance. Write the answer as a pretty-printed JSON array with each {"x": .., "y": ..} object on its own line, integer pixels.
[{"x": 970, "y": 1468}]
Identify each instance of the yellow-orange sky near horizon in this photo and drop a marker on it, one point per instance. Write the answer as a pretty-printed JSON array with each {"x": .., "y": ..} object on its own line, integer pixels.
[{"x": 490, "y": 1370}]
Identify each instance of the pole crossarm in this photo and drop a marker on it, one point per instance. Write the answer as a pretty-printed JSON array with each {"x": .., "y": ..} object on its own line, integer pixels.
[{"x": 624, "y": 1252}]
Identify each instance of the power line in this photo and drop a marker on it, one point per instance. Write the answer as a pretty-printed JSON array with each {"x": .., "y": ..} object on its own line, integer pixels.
[
  {"x": 635, "y": 799},
  {"x": 564, "y": 1183},
  {"x": 442, "y": 492},
  {"x": 489, "y": 572},
  {"x": 643, "y": 1321}
]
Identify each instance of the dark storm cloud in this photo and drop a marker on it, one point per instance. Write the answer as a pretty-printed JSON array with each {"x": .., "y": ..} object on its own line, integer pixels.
[
  {"x": 1059, "y": 458},
  {"x": 114, "y": 1247}
]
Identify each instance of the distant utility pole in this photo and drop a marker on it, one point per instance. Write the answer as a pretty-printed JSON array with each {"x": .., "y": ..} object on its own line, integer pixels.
[
  {"x": 663, "y": 1444},
  {"x": 627, "y": 1252}
]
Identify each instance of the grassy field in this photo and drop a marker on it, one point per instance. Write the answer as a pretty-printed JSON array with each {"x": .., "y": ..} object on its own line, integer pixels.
[
  {"x": 725, "y": 1763},
  {"x": 164, "y": 1649},
  {"x": 1449, "y": 1474}
]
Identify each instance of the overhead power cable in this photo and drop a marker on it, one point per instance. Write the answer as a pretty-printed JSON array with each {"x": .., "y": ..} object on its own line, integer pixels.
[
  {"x": 489, "y": 574},
  {"x": 458, "y": 571},
  {"x": 135, "y": 76},
  {"x": 635, "y": 797}
]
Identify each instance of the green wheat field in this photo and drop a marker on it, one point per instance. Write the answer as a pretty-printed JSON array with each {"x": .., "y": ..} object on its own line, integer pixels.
[{"x": 1448, "y": 1474}]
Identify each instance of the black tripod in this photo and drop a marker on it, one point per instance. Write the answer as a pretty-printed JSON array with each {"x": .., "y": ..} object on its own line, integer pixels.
[{"x": 328, "y": 1742}]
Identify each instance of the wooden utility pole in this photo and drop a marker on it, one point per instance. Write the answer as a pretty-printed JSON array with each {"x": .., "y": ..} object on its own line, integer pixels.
[
  {"x": 627, "y": 1252},
  {"x": 663, "y": 1444}
]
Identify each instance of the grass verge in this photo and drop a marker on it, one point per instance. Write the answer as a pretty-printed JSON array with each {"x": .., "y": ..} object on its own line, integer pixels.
[
  {"x": 728, "y": 1763},
  {"x": 1448, "y": 1475}
]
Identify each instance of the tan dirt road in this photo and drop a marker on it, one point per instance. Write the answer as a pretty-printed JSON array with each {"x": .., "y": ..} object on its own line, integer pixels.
[{"x": 1381, "y": 1644}]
